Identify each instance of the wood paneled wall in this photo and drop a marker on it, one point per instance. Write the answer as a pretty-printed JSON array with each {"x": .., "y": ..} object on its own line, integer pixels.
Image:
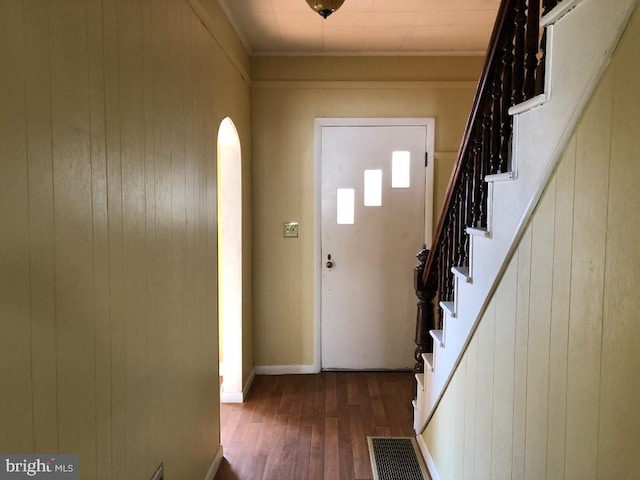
[
  {"x": 549, "y": 387},
  {"x": 109, "y": 111}
]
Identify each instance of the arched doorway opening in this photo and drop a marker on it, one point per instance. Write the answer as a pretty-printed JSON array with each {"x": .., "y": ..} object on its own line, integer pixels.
[{"x": 230, "y": 262}]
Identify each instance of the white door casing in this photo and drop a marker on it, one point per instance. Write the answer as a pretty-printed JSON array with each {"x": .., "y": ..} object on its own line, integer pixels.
[{"x": 365, "y": 306}]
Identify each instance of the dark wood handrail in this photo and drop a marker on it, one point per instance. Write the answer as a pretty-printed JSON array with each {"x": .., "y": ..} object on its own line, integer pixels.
[{"x": 512, "y": 73}]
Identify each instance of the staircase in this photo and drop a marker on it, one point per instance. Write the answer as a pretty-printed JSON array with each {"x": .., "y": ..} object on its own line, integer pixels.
[{"x": 544, "y": 60}]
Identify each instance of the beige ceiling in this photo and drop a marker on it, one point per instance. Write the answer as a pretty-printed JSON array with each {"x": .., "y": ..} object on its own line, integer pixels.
[{"x": 364, "y": 27}]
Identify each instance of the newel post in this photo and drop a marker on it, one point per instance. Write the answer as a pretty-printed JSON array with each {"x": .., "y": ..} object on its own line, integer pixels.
[{"x": 424, "y": 314}]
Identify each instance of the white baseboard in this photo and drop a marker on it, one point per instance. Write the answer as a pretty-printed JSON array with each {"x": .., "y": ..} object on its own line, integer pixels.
[
  {"x": 215, "y": 465},
  {"x": 248, "y": 383},
  {"x": 285, "y": 369},
  {"x": 238, "y": 397},
  {"x": 231, "y": 397},
  {"x": 428, "y": 459}
]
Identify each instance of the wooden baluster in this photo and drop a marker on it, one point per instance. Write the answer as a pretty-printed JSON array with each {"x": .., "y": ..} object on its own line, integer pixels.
[
  {"x": 455, "y": 228},
  {"x": 476, "y": 179},
  {"x": 468, "y": 202},
  {"x": 484, "y": 161},
  {"x": 442, "y": 281},
  {"x": 451, "y": 260},
  {"x": 444, "y": 264},
  {"x": 496, "y": 121},
  {"x": 441, "y": 260},
  {"x": 542, "y": 60},
  {"x": 540, "y": 69},
  {"x": 531, "y": 48},
  {"x": 506, "y": 119},
  {"x": 448, "y": 291},
  {"x": 519, "y": 22},
  {"x": 462, "y": 217}
]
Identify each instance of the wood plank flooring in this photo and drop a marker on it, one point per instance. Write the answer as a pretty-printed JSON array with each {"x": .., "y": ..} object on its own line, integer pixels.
[{"x": 297, "y": 427}]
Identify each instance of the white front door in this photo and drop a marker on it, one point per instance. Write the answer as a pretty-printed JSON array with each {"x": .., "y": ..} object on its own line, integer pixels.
[{"x": 372, "y": 224}]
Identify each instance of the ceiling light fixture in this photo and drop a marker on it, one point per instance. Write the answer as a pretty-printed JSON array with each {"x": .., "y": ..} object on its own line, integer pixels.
[{"x": 325, "y": 7}]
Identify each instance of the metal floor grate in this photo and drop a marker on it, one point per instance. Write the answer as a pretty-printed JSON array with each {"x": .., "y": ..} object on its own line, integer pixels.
[{"x": 396, "y": 458}]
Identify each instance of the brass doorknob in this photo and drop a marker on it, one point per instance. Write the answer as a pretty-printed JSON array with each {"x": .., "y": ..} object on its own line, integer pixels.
[{"x": 329, "y": 262}]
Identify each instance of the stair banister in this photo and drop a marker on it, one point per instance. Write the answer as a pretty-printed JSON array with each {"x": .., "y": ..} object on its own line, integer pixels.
[{"x": 513, "y": 72}]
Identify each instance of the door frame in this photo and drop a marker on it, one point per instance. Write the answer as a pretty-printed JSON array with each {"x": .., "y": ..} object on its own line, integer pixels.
[{"x": 427, "y": 122}]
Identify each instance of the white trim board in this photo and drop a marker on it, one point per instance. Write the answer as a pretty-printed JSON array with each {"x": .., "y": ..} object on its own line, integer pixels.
[
  {"x": 285, "y": 369},
  {"x": 238, "y": 397},
  {"x": 428, "y": 459},
  {"x": 428, "y": 122},
  {"x": 215, "y": 465},
  {"x": 359, "y": 84}
]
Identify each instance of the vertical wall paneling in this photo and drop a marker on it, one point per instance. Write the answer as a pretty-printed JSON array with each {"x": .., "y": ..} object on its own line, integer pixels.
[
  {"x": 445, "y": 421},
  {"x": 520, "y": 356},
  {"x": 211, "y": 213},
  {"x": 150, "y": 260},
  {"x": 41, "y": 224},
  {"x": 162, "y": 331},
  {"x": 539, "y": 334},
  {"x": 470, "y": 409},
  {"x": 15, "y": 342},
  {"x": 200, "y": 134},
  {"x": 450, "y": 440},
  {"x": 113, "y": 130},
  {"x": 131, "y": 88},
  {"x": 99, "y": 189},
  {"x": 457, "y": 454},
  {"x": 587, "y": 272},
  {"x": 75, "y": 327},
  {"x": 484, "y": 394},
  {"x": 559, "y": 330},
  {"x": 159, "y": 329},
  {"x": 107, "y": 247},
  {"x": 178, "y": 211},
  {"x": 188, "y": 314},
  {"x": 619, "y": 429},
  {"x": 190, "y": 171},
  {"x": 503, "y": 375},
  {"x": 440, "y": 427}
]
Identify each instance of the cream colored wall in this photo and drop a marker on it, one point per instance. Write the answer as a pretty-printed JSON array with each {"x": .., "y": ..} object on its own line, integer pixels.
[
  {"x": 287, "y": 95},
  {"x": 108, "y": 344},
  {"x": 549, "y": 387}
]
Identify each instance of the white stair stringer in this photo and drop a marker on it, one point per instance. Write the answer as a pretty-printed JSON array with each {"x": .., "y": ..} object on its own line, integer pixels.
[{"x": 581, "y": 37}]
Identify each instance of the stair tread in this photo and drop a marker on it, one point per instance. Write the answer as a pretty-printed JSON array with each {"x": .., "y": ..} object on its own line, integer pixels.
[
  {"x": 479, "y": 232},
  {"x": 449, "y": 307},
  {"x": 427, "y": 358},
  {"x": 499, "y": 177},
  {"x": 463, "y": 273},
  {"x": 438, "y": 335},
  {"x": 527, "y": 105},
  {"x": 420, "y": 379}
]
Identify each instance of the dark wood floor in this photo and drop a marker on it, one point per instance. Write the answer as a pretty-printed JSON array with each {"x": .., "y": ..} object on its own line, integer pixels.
[{"x": 296, "y": 427}]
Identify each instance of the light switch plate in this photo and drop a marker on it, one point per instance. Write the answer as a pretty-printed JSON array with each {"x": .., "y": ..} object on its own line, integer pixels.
[{"x": 290, "y": 230}]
